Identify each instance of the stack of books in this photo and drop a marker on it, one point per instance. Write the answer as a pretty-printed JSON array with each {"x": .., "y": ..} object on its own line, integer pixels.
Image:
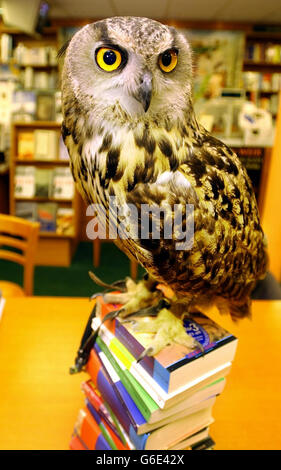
[{"x": 161, "y": 402}]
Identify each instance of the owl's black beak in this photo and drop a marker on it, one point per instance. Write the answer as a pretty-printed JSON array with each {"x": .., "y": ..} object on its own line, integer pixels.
[{"x": 145, "y": 90}]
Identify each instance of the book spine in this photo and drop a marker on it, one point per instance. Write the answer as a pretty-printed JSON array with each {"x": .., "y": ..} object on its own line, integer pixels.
[
  {"x": 76, "y": 443},
  {"x": 99, "y": 406},
  {"x": 127, "y": 401},
  {"x": 140, "y": 374},
  {"x": 151, "y": 366},
  {"x": 89, "y": 432},
  {"x": 107, "y": 432},
  {"x": 105, "y": 387},
  {"x": 138, "y": 399}
]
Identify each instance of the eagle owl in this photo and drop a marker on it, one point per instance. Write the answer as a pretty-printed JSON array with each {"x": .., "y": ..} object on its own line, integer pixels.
[{"x": 131, "y": 132}]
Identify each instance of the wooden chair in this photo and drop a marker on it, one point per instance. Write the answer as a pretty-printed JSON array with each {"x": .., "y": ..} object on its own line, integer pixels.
[
  {"x": 96, "y": 259},
  {"x": 19, "y": 234}
]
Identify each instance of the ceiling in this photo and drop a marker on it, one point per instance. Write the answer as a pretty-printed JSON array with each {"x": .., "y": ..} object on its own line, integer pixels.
[{"x": 253, "y": 11}]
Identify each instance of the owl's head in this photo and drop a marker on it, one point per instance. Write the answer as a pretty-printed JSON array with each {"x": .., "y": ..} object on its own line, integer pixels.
[{"x": 135, "y": 66}]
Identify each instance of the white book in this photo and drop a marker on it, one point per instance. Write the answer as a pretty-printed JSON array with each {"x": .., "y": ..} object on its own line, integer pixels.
[
  {"x": 24, "y": 181},
  {"x": 63, "y": 184},
  {"x": 45, "y": 144}
]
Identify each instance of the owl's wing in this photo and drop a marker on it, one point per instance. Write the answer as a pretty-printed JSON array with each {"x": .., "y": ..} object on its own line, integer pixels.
[{"x": 225, "y": 253}]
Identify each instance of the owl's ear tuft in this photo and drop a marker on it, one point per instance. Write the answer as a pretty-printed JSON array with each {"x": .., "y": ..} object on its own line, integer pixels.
[{"x": 62, "y": 51}]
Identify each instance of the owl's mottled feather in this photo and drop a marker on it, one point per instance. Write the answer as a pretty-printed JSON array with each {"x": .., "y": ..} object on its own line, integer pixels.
[{"x": 161, "y": 157}]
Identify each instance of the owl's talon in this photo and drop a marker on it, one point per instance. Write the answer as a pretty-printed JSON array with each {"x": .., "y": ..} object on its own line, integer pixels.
[
  {"x": 101, "y": 283},
  {"x": 151, "y": 311}
]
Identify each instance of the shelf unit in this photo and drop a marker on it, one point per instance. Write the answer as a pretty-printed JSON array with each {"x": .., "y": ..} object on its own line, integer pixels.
[
  {"x": 55, "y": 249},
  {"x": 263, "y": 56}
]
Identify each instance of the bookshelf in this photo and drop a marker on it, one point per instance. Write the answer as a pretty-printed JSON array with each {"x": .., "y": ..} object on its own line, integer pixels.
[
  {"x": 262, "y": 68},
  {"x": 56, "y": 246}
]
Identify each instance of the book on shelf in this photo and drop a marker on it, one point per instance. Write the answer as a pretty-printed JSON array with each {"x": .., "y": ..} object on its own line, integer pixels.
[
  {"x": 25, "y": 149},
  {"x": 26, "y": 210},
  {"x": 24, "y": 181},
  {"x": 65, "y": 221},
  {"x": 6, "y": 47},
  {"x": 170, "y": 367},
  {"x": 259, "y": 52},
  {"x": 23, "y": 105},
  {"x": 46, "y": 215},
  {"x": 45, "y": 144},
  {"x": 43, "y": 182},
  {"x": 52, "y": 217},
  {"x": 63, "y": 184}
]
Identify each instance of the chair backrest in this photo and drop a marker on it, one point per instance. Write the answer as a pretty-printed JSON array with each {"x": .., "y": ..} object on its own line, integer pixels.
[{"x": 20, "y": 234}]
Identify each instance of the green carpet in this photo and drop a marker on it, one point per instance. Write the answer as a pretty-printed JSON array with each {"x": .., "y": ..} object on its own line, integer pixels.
[{"x": 74, "y": 280}]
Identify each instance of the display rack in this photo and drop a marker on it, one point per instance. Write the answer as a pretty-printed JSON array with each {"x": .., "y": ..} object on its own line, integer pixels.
[{"x": 263, "y": 59}]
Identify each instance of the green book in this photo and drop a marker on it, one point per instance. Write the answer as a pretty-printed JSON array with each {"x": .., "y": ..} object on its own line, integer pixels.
[{"x": 141, "y": 398}]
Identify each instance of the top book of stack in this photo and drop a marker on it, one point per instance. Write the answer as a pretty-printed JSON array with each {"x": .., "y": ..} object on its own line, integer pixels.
[{"x": 175, "y": 366}]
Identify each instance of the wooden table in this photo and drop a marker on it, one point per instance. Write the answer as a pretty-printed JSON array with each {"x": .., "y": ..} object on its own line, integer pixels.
[{"x": 39, "y": 400}]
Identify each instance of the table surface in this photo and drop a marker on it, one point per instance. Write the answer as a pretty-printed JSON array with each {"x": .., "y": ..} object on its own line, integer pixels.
[{"x": 39, "y": 400}]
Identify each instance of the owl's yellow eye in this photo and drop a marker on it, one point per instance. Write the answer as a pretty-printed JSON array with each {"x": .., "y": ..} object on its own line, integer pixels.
[
  {"x": 168, "y": 60},
  {"x": 108, "y": 59}
]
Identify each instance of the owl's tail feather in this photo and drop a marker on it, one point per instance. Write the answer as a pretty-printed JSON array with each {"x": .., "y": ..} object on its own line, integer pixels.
[{"x": 240, "y": 309}]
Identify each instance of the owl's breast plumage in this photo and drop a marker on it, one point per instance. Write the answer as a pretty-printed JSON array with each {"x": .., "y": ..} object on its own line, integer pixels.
[{"x": 228, "y": 253}]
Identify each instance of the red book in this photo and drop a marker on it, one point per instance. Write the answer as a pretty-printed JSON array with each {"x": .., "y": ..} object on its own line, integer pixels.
[
  {"x": 76, "y": 444},
  {"x": 89, "y": 432}
]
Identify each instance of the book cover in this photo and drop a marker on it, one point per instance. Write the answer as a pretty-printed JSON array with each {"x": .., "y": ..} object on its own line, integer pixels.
[
  {"x": 63, "y": 184},
  {"x": 76, "y": 443},
  {"x": 46, "y": 215},
  {"x": 25, "y": 146},
  {"x": 43, "y": 182},
  {"x": 65, "y": 221},
  {"x": 23, "y": 105},
  {"x": 24, "y": 181},
  {"x": 171, "y": 366},
  {"x": 114, "y": 441},
  {"x": 142, "y": 399},
  {"x": 165, "y": 401},
  {"x": 26, "y": 210},
  {"x": 45, "y": 144}
]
